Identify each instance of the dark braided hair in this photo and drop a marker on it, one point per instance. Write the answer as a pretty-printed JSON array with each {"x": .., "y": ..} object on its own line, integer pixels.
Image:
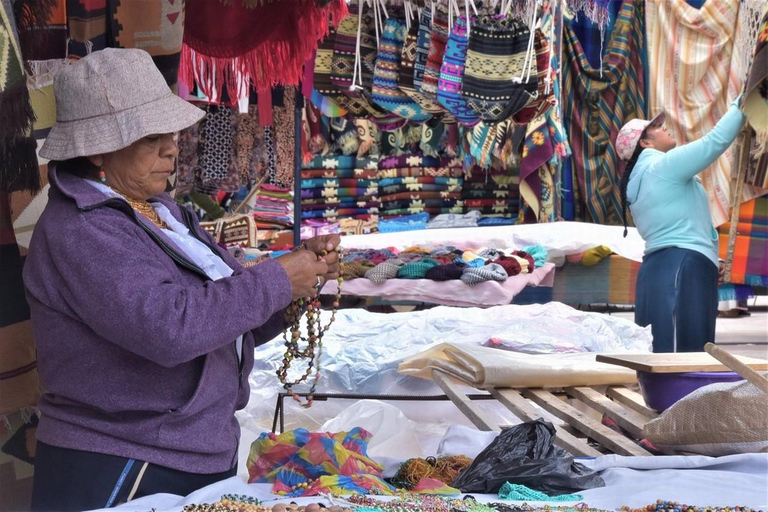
[{"x": 625, "y": 180}]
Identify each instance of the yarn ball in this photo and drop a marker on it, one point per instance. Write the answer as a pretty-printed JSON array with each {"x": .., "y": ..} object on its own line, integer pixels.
[
  {"x": 445, "y": 272},
  {"x": 384, "y": 271},
  {"x": 417, "y": 270},
  {"x": 491, "y": 272}
]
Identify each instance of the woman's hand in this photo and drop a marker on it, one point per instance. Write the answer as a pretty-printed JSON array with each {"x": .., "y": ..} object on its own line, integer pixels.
[
  {"x": 305, "y": 272},
  {"x": 330, "y": 244},
  {"x": 721, "y": 273}
]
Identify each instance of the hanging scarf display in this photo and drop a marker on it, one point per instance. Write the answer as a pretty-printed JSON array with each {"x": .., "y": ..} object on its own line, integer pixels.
[
  {"x": 451, "y": 73},
  {"x": 499, "y": 77},
  {"x": 599, "y": 103},
  {"x": 230, "y": 44},
  {"x": 437, "y": 39},
  {"x": 18, "y": 157},
  {"x": 690, "y": 54},
  {"x": 544, "y": 99},
  {"x": 218, "y": 167},
  {"x": 385, "y": 92},
  {"x": 756, "y": 97},
  {"x": 284, "y": 129}
]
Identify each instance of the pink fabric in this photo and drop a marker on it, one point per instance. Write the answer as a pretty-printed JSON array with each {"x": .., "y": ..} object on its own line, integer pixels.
[{"x": 447, "y": 293}]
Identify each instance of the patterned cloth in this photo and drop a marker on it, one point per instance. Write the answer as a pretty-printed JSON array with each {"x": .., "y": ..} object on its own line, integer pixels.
[
  {"x": 437, "y": 41},
  {"x": 417, "y": 270},
  {"x": 422, "y": 48},
  {"x": 249, "y": 145},
  {"x": 405, "y": 77},
  {"x": 284, "y": 127},
  {"x": 756, "y": 100},
  {"x": 218, "y": 168},
  {"x": 750, "y": 259},
  {"x": 599, "y": 103},
  {"x": 690, "y": 58},
  {"x": 496, "y": 85},
  {"x": 361, "y": 174},
  {"x": 384, "y": 271},
  {"x": 385, "y": 92},
  {"x": 451, "y": 74},
  {"x": 324, "y": 83},
  {"x": 543, "y": 101}
]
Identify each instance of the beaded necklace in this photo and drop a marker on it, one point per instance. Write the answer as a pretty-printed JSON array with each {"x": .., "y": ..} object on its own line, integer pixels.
[
  {"x": 314, "y": 342},
  {"x": 144, "y": 208}
]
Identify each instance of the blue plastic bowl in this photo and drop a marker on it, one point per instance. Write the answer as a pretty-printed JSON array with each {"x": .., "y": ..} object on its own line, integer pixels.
[{"x": 661, "y": 390}]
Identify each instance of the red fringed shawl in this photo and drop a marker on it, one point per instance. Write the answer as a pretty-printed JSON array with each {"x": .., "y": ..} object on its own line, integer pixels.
[{"x": 266, "y": 45}]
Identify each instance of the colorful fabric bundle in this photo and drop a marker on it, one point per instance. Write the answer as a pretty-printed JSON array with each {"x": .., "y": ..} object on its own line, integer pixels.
[
  {"x": 298, "y": 456},
  {"x": 320, "y": 193},
  {"x": 385, "y": 92},
  {"x": 416, "y": 204},
  {"x": 360, "y": 174},
  {"x": 437, "y": 41},
  {"x": 451, "y": 75},
  {"x": 448, "y": 172},
  {"x": 510, "y": 265},
  {"x": 336, "y": 183},
  {"x": 273, "y": 205},
  {"x": 450, "y": 184},
  {"x": 225, "y": 44},
  {"x": 497, "y": 81},
  {"x": 416, "y": 270},
  {"x": 384, "y": 271},
  {"x": 750, "y": 259},
  {"x": 422, "y": 48},
  {"x": 489, "y": 272},
  {"x": 599, "y": 102},
  {"x": 18, "y": 149},
  {"x": 437, "y": 194},
  {"x": 445, "y": 272},
  {"x": 756, "y": 98}
]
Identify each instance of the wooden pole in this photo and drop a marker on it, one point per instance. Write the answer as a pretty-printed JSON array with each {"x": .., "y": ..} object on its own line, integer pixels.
[
  {"x": 734, "y": 364},
  {"x": 737, "y": 194}
]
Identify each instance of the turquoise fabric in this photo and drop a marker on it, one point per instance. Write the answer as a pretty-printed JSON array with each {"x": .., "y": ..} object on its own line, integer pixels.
[{"x": 666, "y": 198}]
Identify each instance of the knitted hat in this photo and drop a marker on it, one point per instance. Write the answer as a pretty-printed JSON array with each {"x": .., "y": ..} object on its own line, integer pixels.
[
  {"x": 354, "y": 269},
  {"x": 416, "y": 270},
  {"x": 451, "y": 73},
  {"x": 384, "y": 271},
  {"x": 490, "y": 254},
  {"x": 445, "y": 272},
  {"x": 510, "y": 265},
  {"x": 385, "y": 92},
  {"x": 538, "y": 106},
  {"x": 496, "y": 55},
  {"x": 438, "y": 39},
  {"x": 491, "y": 272},
  {"x": 527, "y": 257},
  {"x": 405, "y": 78},
  {"x": 422, "y": 48}
]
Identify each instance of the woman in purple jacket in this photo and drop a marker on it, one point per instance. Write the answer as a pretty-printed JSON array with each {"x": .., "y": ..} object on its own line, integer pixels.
[{"x": 145, "y": 328}]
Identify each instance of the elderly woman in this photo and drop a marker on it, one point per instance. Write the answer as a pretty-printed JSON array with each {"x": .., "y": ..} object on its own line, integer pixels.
[
  {"x": 677, "y": 283},
  {"x": 145, "y": 328}
]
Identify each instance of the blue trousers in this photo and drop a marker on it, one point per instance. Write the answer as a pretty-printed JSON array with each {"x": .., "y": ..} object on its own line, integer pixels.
[{"x": 676, "y": 294}]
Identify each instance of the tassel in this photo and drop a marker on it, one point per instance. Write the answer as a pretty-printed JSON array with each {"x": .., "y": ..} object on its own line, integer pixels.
[
  {"x": 18, "y": 164},
  {"x": 18, "y": 115}
]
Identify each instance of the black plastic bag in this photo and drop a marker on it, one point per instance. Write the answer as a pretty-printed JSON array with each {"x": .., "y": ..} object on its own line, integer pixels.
[{"x": 525, "y": 454}]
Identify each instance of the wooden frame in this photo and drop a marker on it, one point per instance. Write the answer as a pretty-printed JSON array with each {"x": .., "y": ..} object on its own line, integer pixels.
[{"x": 620, "y": 403}]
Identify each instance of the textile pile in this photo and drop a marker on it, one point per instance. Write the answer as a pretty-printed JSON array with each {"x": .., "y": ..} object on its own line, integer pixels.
[
  {"x": 492, "y": 192},
  {"x": 339, "y": 187},
  {"x": 412, "y": 184}
]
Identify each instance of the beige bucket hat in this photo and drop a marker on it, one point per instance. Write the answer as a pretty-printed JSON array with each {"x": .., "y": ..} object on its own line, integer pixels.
[{"x": 109, "y": 100}]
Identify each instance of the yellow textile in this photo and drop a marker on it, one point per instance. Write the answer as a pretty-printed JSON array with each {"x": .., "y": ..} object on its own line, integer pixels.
[
  {"x": 694, "y": 78},
  {"x": 595, "y": 255}
]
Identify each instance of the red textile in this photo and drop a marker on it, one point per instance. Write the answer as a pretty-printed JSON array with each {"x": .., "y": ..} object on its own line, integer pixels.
[{"x": 267, "y": 45}]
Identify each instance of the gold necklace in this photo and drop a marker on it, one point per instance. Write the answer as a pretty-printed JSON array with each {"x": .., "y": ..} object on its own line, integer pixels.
[{"x": 144, "y": 208}]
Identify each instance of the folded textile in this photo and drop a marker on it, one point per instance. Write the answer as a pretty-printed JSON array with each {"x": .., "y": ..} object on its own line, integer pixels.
[
  {"x": 342, "y": 199},
  {"x": 428, "y": 210},
  {"x": 384, "y": 271},
  {"x": 416, "y": 270},
  {"x": 410, "y": 160},
  {"x": 351, "y": 204},
  {"x": 418, "y": 172},
  {"x": 360, "y": 174},
  {"x": 354, "y": 269},
  {"x": 510, "y": 265},
  {"x": 407, "y": 223},
  {"x": 437, "y": 194},
  {"x": 337, "y": 183},
  {"x": 325, "y": 192},
  {"x": 419, "y": 187},
  {"x": 490, "y": 367},
  {"x": 358, "y": 227},
  {"x": 489, "y": 272},
  {"x": 420, "y": 203},
  {"x": 538, "y": 253},
  {"x": 445, "y": 272},
  {"x": 527, "y": 257},
  {"x": 333, "y": 213},
  {"x": 436, "y": 180}
]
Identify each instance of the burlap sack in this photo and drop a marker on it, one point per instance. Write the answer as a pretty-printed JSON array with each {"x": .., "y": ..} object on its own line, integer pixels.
[{"x": 719, "y": 419}]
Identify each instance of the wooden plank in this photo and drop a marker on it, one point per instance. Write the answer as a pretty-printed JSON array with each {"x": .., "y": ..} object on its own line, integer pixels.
[
  {"x": 737, "y": 366},
  {"x": 677, "y": 362},
  {"x": 476, "y": 415},
  {"x": 520, "y": 407},
  {"x": 614, "y": 442},
  {"x": 625, "y": 418},
  {"x": 631, "y": 399}
]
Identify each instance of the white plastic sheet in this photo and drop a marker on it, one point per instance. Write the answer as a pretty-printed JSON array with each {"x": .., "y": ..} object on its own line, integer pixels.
[{"x": 362, "y": 351}]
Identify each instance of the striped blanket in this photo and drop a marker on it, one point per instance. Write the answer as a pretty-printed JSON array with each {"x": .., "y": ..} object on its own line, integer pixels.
[{"x": 750, "y": 259}]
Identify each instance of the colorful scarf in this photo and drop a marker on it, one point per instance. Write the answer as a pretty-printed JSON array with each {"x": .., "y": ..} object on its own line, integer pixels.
[
  {"x": 756, "y": 99},
  {"x": 496, "y": 85},
  {"x": 598, "y": 105},
  {"x": 690, "y": 58},
  {"x": 451, "y": 74},
  {"x": 422, "y": 48},
  {"x": 266, "y": 46},
  {"x": 385, "y": 92},
  {"x": 437, "y": 40},
  {"x": 18, "y": 157}
]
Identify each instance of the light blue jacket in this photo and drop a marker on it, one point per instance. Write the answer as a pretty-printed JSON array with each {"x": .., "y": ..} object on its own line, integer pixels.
[{"x": 666, "y": 198}]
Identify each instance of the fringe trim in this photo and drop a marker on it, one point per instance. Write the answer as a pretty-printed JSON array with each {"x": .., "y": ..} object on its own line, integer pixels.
[
  {"x": 265, "y": 66},
  {"x": 761, "y": 142},
  {"x": 18, "y": 164},
  {"x": 16, "y": 109}
]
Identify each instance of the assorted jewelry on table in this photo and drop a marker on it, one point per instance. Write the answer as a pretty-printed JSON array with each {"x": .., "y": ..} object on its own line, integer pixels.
[{"x": 314, "y": 340}]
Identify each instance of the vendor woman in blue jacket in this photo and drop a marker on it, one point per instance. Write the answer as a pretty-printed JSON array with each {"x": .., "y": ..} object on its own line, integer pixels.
[{"x": 677, "y": 284}]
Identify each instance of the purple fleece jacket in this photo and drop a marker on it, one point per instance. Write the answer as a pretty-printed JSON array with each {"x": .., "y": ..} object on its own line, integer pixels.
[{"x": 135, "y": 345}]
